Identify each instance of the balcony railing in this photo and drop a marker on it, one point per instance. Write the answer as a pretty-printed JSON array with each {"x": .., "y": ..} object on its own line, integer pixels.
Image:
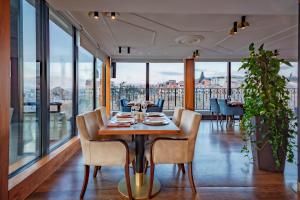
[{"x": 175, "y": 96}]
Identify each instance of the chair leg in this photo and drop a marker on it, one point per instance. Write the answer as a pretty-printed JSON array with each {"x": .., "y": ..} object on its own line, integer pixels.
[
  {"x": 217, "y": 117},
  {"x": 181, "y": 167},
  {"x": 152, "y": 166},
  {"x": 133, "y": 166},
  {"x": 146, "y": 167},
  {"x": 127, "y": 178},
  {"x": 85, "y": 181},
  {"x": 96, "y": 168},
  {"x": 191, "y": 178}
]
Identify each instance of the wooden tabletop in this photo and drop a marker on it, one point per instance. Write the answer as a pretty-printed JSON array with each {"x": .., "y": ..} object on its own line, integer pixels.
[{"x": 142, "y": 129}]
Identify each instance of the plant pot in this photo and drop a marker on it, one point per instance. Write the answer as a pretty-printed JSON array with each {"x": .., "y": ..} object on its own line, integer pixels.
[{"x": 263, "y": 157}]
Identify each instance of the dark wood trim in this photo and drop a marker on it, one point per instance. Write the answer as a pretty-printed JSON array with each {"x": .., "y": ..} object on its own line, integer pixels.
[
  {"x": 75, "y": 80},
  {"x": 107, "y": 85},
  {"x": 147, "y": 81},
  {"x": 94, "y": 82},
  {"x": 189, "y": 84},
  {"x": 103, "y": 84},
  {"x": 24, "y": 183},
  {"x": 228, "y": 79},
  {"x": 5, "y": 95}
]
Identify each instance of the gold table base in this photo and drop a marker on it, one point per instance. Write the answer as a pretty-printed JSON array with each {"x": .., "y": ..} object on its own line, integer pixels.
[{"x": 139, "y": 192}]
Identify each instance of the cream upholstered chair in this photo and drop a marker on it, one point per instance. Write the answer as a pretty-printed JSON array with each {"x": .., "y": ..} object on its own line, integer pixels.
[
  {"x": 176, "y": 150},
  {"x": 101, "y": 152},
  {"x": 177, "y": 115}
]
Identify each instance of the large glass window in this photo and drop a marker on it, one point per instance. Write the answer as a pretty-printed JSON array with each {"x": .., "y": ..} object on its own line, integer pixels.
[
  {"x": 166, "y": 81},
  {"x": 98, "y": 78},
  {"x": 210, "y": 82},
  {"x": 85, "y": 81},
  {"x": 237, "y": 78},
  {"x": 130, "y": 83},
  {"x": 61, "y": 80},
  {"x": 24, "y": 144}
]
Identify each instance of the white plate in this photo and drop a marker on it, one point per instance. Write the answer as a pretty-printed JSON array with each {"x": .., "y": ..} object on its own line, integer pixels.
[
  {"x": 156, "y": 122},
  {"x": 123, "y": 113},
  {"x": 124, "y": 120},
  {"x": 150, "y": 114}
]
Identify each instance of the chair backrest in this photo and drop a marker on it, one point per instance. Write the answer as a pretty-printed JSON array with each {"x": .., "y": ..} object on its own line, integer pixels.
[
  {"x": 161, "y": 104},
  {"x": 157, "y": 102},
  {"x": 177, "y": 115},
  {"x": 101, "y": 116},
  {"x": 88, "y": 126},
  {"x": 214, "y": 106},
  {"x": 223, "y": 106},
  {"x": 189, "y": 125},
  {"x": 123, "y": 102}
]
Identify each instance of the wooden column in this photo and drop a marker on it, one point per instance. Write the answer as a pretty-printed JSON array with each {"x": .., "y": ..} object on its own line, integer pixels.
[
  {"x": 5, "y": 94},
  {"x": 189, "y": 84},
  {"x": 107, "y": 85}
]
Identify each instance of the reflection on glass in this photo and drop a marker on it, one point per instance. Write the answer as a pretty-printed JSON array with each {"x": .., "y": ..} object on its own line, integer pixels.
[
  {"x": 85, "y": 82},
  {"x": 24, "y": 144},
  {"x": 98, "y": 81},
  {"x": 130, "y": 83},
  {"x": 61, "y": 83},
  {"x": 167, "y": 82},
  {"x": 210, "y": 82}
]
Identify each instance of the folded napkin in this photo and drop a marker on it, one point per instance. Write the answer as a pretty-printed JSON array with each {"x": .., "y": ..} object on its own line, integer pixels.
[{"x": 118, "y": 125}]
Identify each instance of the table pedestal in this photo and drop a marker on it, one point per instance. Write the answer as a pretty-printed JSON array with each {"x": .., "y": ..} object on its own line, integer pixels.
[{"x": 139, "y": 191}]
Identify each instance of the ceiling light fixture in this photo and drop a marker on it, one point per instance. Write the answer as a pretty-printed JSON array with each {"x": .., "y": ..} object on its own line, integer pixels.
[
  {"x": 196, "y": 54},
  {"x": 95, "y": 15},
  {"x": 233, "y": 31},
  {"x": 113, "y": 15},
  {"x": 120, "y": 50},
  {"x": 128, "y": 50},
  {"x": 276, "y": 52},
  {"x": 243, "y": 24}
]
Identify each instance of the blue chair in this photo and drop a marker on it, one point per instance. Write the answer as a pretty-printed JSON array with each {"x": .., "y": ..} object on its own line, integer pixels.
[
  {"x": 158, "y": 106},
  {"x": 124, "y": 105},
  {"x": 214, "y": 107},
  {"x": 227, "y": 110}
]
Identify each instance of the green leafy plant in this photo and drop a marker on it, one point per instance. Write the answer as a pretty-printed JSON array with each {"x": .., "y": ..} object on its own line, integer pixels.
[{"x": 266, "y": 97}]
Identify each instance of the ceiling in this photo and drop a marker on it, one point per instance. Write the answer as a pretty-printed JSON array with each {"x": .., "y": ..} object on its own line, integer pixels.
[{"x": 154, "y": 28}]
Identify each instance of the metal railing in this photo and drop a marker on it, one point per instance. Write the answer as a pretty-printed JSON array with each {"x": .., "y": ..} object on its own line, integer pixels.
[{"x": 175, "y": 96}]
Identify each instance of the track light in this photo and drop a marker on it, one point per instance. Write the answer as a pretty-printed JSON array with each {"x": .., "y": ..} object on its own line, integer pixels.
[
  {"x": 95, "y": 15},
  {"x": 113, "y": 15},
  {"x": 233, "y": 31},
  {"x": 276, "y": 52},
  {"x": 120, "y": 50},
  {"x": 243, "y": 24},
  {"x": 196, "y": 54},
  {"x": 128, "y": 50}
]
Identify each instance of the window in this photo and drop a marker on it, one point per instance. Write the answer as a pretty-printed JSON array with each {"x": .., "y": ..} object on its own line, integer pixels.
[
  {"x": 130, "y": 83},
  {"x": 24, "y": 144},
  {"x": 210, "y": 82},
  {"x": 237, "y": 78},
  {"x": 166, "y": 81},
  {"x": 85, "y": 81},
  {"x": 98, "y": 78},
  {"x": 61, "y": 80}
]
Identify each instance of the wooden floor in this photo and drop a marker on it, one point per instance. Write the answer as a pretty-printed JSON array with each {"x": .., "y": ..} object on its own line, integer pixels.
[{"x": 220, "y": 172}]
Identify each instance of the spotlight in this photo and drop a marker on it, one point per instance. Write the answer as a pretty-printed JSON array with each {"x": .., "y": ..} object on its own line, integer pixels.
[
  {"x": 233, "y": 31},
  {"x": 243, "y": 24},
  {"x": 113, "y": 15},
  {"x": 95, "y": 15},
  {"x": 120, "y": 50},
  {"x": 128, "y": 50},
  {"x": 276, "y": 52},
  {"x": 196, "y": 54}
]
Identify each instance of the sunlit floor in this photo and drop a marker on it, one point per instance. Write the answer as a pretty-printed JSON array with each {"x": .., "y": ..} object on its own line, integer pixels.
[{"x": 220, "y": 172}]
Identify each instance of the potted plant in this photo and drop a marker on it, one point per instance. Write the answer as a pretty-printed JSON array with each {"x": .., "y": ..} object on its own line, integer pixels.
[{"x": 268, "y": 121}]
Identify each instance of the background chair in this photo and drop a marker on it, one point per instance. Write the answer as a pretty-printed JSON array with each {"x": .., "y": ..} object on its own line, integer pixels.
[
  {"x": 177, "y": 115},
  {"x": 157, "y": 107},
  {"x": 104, "y": 152},
  {"x": 124, "y": 105},
  {"x": 214, "y": 107},
  {"x": 177, "y": 150},
  {"x": 227, "y": 110}
]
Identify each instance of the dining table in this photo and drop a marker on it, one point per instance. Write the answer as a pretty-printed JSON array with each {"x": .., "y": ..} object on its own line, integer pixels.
[{"x": 140, "y": 181}]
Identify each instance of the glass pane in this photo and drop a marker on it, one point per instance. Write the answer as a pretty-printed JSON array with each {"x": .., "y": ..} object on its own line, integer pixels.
[
  {"x": 291, "y": 73},
  {"x": 98, "y": 82},
  {"x": 130, "y": 83},
  {"x": 210, "y": 82},
  {"x": 24, "y": 143},
  {"x": 237, "y": 78},
  {"x": 167, "y": 82},
  {"x": 85, "y": 81},
  {"x": 61, "y": 83}
]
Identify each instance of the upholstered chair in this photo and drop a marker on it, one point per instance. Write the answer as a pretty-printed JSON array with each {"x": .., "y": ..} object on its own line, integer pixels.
[
  {"x": 227, "y": 110},
  {"x": 214, "y": 107},
  {"x": 124, "y": 105},
  {"x": 177, "y": 115},
  {"x": 176, "y": 150},
  {"x": 101, "y": 152}
]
